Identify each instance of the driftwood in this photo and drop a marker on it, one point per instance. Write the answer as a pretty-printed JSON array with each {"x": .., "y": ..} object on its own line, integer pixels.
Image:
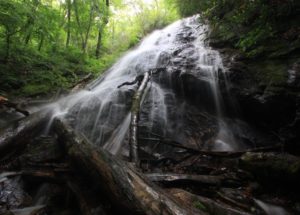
[
  {"x": 126, "y": 187},
  {"x": 17, "y": 134}
]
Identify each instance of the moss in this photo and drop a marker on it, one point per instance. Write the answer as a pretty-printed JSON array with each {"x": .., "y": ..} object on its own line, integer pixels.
[
  {"x": 199, "y": 205},
  {"x": 270, "y": 72},
  {"x": 279, "y": 167}
]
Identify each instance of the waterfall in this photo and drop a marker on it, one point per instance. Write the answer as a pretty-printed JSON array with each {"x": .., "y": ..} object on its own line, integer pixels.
[{"x": 102, "y": 111}]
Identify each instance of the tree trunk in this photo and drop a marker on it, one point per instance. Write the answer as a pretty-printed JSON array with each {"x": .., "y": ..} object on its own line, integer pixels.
[
  {"x": 31, "y": 22},
  {"x": 41, "y": 42},
  {"x": 101, "y": 27},
  {"x": 128, "y": 189},
  {"x": 7, "y": 51},
  {"x": 98, "y": 43},
  {"x": 88, "y": 30},
  {"x": 135, "y": 112},
  {"x": 78, "y": 21},
  {"x": 69, "y": 23},
  {"x": 27, "y": 39}
]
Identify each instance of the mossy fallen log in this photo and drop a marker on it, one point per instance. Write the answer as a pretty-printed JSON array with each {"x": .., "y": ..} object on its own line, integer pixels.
[
  {"x": 127, "y": 188},
  {"x": 173, "y": 178},
  {"x": 207, "y": 205}
]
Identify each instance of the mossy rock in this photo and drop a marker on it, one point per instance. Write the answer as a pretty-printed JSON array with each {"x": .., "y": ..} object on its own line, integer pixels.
[
  {"x": 222, "y": 36},
  {"x": 273, "y": 168},
  {"x": 270, "y": 72}
]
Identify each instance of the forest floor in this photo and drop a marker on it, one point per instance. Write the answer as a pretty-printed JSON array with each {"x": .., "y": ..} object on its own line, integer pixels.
[{"x": 40, "y": 176}]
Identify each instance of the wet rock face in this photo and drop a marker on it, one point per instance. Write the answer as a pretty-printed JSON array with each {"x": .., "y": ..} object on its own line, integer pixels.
[
  {"x": 267, "y": 93},
  {"x": 190, "y": 72},
  {"x": 197, "y": 91}
]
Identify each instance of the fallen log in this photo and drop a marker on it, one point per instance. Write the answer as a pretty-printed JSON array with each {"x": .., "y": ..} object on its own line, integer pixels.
[
  {"x": 207, "y": 205},
  {"x": 18, "y": 133},
  {"x": 213, "y": 153},
  {"x": 126, "y": 187},
  {"x": 50, "y": 174},
  {"x": 233, "y": 202},
  {"x": 172, "y": 177}
]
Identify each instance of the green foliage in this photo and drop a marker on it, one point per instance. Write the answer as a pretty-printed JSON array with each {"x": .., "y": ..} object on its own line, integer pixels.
[
  {"x": 200, "y": 206},
  {"x": 130, "y": 22},
  {"x": 247, "y": 24},
  {"x": 254, "y": 36},
  {"x": 51, "y": 44}
]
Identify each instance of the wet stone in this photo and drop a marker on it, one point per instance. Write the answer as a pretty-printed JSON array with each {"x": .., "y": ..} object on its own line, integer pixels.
[{"x": 12, "y": 194}]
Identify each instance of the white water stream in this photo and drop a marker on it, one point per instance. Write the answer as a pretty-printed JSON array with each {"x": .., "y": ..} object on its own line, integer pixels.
[{"x": 102, "y": 113}]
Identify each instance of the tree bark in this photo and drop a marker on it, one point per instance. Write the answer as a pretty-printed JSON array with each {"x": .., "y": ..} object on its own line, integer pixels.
[
  {"x": 177, "y": 178},
  {"x": 128, "y": 189},
  {"x": 135, "y": 112}
]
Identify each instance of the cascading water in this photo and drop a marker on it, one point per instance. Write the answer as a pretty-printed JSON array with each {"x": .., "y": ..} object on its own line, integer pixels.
[{"x": 102, "y": 113}]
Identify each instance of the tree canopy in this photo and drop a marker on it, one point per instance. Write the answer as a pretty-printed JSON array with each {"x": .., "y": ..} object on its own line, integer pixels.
[{"x": 49, "y": 44}]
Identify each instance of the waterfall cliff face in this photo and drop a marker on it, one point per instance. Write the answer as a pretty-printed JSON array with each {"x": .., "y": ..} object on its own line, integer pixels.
[{"x": 182, "y": 103}]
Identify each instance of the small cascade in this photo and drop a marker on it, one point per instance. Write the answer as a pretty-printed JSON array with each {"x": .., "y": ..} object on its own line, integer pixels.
[
  {"x": 102, "y": 112},
  {"x": 209, "y": 65},
  {"x": 270, "y": 209}
]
